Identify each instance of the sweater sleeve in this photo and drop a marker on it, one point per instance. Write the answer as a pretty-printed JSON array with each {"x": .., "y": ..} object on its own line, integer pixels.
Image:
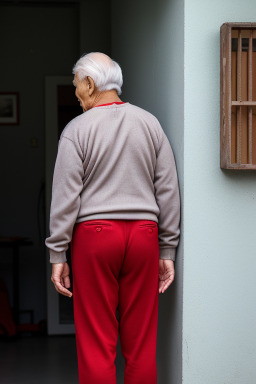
[
  {"x": 168, "y": 200},
  {"x": 66, "y": 188}
]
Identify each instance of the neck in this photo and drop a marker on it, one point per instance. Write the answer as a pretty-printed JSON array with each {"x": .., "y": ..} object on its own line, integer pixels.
[{"x": 105, "y": 97}]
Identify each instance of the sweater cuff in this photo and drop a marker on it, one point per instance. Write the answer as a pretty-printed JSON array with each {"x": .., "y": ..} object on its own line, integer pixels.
[
  {"x": 167, "y": 253},
  {"x": 57, "y": 257}
]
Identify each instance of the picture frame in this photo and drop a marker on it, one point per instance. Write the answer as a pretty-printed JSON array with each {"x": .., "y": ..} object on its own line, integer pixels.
[{"x": 9, "y": 108}]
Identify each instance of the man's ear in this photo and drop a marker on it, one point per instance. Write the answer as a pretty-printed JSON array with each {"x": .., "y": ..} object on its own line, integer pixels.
[{"x": 90, "y": 85}]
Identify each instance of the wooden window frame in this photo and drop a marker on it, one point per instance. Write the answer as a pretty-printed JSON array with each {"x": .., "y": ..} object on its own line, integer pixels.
[{"x": 237, "y": 136}]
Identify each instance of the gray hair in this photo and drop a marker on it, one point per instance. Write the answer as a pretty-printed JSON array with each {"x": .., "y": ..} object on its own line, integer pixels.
[{"x": 105, "y": 72}]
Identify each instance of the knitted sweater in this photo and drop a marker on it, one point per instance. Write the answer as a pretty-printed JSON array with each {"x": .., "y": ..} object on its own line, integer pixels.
[{"x": 114, "y": 161}]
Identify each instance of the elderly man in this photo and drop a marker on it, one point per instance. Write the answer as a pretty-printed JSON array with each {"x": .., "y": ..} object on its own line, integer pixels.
[{"x": 115, "y": 199}]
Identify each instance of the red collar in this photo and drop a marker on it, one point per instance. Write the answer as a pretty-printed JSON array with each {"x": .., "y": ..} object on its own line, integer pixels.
[{"x": 114, "y": 102}]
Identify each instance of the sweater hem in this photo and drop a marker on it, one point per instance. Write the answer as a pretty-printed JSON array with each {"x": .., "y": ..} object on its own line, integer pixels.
[{"x": 119, "y": 216}]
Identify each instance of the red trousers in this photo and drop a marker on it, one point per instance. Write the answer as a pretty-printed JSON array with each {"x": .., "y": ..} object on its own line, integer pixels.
[{"x": 115, "y": 265}]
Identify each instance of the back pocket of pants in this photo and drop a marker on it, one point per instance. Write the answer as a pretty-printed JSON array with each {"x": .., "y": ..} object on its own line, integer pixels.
[
  {"x": 94, "y": 223},
  {"x": 148, "y": 225}
]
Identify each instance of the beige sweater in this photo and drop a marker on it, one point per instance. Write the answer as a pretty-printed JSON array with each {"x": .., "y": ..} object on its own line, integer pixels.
[{"x": 114, "y": 162}]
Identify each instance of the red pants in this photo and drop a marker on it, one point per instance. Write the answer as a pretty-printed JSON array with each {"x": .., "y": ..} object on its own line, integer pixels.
[{"x": 115, "y": 264}]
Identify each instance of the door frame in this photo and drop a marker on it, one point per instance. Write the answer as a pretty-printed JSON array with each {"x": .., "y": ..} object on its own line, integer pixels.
[{"x": 51, "y": 147}]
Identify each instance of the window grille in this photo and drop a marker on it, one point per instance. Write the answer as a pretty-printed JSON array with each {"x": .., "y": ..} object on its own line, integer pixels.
[{"x": 238, "y": 96}]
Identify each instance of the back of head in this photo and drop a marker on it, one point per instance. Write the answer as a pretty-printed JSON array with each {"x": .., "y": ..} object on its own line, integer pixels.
[{"x": 105, "y": 72}]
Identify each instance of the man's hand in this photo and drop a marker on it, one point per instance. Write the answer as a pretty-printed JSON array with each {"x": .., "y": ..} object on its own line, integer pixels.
[
  {"x": 60, "y": 278},
  {"x": 166, "y": 274}
]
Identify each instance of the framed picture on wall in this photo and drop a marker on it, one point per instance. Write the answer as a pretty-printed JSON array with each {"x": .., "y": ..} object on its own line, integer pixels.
[{"x": 9, "y": 108}]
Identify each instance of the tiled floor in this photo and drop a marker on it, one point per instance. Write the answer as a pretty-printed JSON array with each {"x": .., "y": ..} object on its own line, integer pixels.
[{"x": 39, "y": 360}]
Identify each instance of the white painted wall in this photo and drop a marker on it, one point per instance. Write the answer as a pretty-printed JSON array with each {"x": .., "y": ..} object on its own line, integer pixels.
[
  {"x": 148, "y": 42},
  {"x": 219, "y": 311}
]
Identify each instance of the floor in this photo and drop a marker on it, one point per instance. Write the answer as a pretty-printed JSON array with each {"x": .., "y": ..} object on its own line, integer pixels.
[
  {"x": 39, "y": 360},
  {"x": 44, "y": 360}
]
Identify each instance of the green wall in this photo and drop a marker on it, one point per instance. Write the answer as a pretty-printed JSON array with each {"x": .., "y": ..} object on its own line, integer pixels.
[{"x": 219, "y": 311}]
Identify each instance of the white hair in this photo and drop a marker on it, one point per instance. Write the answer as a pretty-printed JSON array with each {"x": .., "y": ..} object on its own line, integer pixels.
[{"x": 105, "y": 72}]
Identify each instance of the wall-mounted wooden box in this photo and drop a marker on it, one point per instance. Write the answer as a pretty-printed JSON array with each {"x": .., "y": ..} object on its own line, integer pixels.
[{"x": 238, "y": 96}]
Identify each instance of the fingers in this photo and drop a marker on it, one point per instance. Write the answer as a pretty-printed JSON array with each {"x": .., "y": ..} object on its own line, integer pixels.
[
  {"x": 61, "y": 289},
  {"x": 66, "y": 281},
  {"x": 59, "y": 286},
  {"x": 60, "y": 278},
  {"x": 164, "y": 283},
  {"x": 165, "y": 275}
]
